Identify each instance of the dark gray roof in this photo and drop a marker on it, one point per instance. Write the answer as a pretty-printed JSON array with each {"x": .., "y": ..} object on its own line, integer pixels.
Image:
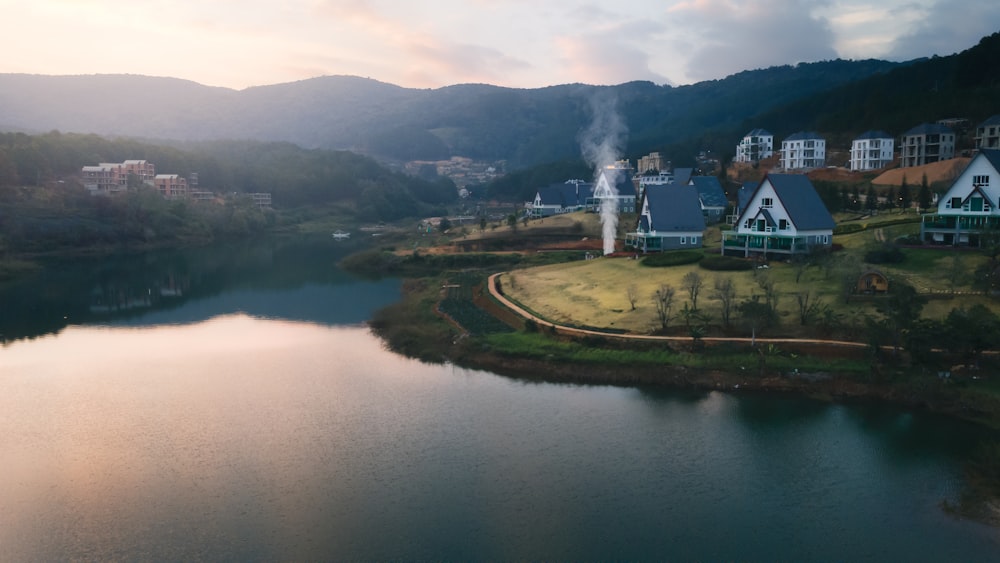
[
  {"x": 929, "y": 129},
  {"x": 803, "y": 136},
  {"x": 682, "y": 176},
  {"x": 566, "y": 194},
  {"x": 800, "y": 199},
  {"x": 674, "y": 208},
  {"x": 877, "y": 134},
  {"x": 992, "y": 155},
  {"x": 759, "y": 133},
  {"x": 710, "y": 191},
  {"x": 992, "y": 120}
]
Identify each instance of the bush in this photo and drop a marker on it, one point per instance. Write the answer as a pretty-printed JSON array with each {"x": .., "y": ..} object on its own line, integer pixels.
[
  {"x": 676, "y": 258},
  {"x": 848, "y": 228},
  {"x": 725, "y": 264}
]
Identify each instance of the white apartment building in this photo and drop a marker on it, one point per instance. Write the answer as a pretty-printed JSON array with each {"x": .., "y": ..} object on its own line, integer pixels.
[
  {"x": 804, "y": 150},
  {"x": 754, "y": 146},
  {"x": 872, "y": 150}
]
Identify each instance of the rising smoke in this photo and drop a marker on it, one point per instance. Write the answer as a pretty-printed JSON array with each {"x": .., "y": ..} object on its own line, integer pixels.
[{"x": 601, "y": 144}]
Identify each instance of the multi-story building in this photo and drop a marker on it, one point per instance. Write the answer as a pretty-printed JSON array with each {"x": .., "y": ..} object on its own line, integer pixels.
[
  {"x": 872, "y": 150},
  {"x": 926, "y": 143},
  {"x": 969, "y": 207},
  {"x": 988, "y": 133},
  {"x": 171, "y": 185},
  {"x": 102, "y": 179},
  {"x": 804, "y": 150},
  {"x": 142, "y": 170},
  {"x": 755, "y": 145},
  {"x": 652, "y": 162}
]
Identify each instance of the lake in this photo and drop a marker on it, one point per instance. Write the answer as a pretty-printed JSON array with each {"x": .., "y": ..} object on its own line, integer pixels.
[{"x": 229, "y": 403}]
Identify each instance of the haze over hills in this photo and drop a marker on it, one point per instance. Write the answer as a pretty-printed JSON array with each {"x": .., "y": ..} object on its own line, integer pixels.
[{"x": 523, "y": 126}]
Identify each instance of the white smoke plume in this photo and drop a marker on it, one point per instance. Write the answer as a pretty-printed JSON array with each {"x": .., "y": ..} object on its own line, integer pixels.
[{"x": 601, "y": 144}]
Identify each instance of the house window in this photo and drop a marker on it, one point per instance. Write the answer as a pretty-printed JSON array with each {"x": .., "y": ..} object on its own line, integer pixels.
[
  {"x": 782, "y": 224},
  {"x": 956, "y": 203},
  {"x": 761, "y": 225},
  {"x": 976, "y": 204},
  {"x": 767, "y": 202},
  {"x": 982, "y": 181},
  {"x": 748, "y": 224},
  {"x": 683, "y": 240}
]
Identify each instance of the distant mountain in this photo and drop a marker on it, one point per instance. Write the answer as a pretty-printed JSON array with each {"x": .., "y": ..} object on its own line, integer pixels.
[{"x": 523, "y": 126}]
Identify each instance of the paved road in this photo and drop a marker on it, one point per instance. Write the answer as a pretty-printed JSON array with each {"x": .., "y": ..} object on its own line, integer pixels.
[{"x": 584, "y": 332}]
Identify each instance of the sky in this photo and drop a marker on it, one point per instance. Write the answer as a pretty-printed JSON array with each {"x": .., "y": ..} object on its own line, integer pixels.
[{"x": 434, "y": 43}]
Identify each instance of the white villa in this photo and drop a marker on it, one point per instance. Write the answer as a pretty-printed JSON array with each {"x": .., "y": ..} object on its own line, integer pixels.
[
  {"x": 754, "y": 146},
  {"x": 872, "y": 150},
  {"x": 926, "y": 143},
  {"x": 783, "y": 216},
  {"x": 970, "y": 206},
  {"x": 804, "y": 150}
]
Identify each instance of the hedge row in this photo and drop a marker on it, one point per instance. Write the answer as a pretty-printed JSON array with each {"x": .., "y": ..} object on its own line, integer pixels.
[
  {"x": 725, "y": 263},
  {"x": 676, "y": 258}
]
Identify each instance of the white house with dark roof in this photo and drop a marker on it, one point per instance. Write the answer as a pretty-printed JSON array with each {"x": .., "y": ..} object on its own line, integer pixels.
[
  {"x": 872, "y": 150},
  {"x": 804, "y": 150},
  {"x": 988, "y": 133},
  {"x": 755, "y": 145},
  {"x": 783, "y": 216},
  {"x": 970, "y": 206},
  {"x": 926, "y": 143},
  {"x": 566, "y": 197},
  {"x": 670, "y": 218},
  {"x": 614, "y": 185}
]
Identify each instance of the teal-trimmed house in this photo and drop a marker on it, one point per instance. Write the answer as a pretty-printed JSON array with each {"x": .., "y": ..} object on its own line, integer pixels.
[
  {"x": 783, "y": 216},
  {"x": 970, "y": 207},
  {"x": 670, "y": 218}
]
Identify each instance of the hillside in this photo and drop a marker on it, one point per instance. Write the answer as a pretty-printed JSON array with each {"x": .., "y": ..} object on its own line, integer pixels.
[{"x": 522, "y": 126}]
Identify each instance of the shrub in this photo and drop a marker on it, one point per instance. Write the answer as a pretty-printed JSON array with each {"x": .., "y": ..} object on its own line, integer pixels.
[
  {"x": 848, "y": 228},
  {"x": 885, "y": 255},
  {"x": 725, "y": 264},
  {"x": 677, "y": 258}
]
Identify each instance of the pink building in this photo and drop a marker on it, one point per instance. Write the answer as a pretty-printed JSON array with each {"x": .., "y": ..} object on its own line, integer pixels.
[{"x": 171, "y": 185}]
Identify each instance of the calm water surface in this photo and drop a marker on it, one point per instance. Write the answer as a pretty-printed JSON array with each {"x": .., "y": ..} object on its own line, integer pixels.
[{"x": 242, "y": 411}]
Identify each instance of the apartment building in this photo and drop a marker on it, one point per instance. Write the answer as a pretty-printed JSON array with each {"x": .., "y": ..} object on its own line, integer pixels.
[
  {"x": 926, "y": 143},
  {"x": 754, "y": 146},
  {"x": 171, "y": 186},
  {"x": 804, "y": 150},
  {"x": 988, "y": 133},
  {"x": 872, "y": 150}
]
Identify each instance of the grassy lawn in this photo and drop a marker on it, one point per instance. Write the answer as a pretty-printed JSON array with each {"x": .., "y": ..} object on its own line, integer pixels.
[{"x": 596, "y": 292}]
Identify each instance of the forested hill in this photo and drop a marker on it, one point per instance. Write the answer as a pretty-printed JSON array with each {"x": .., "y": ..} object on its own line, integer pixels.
[{"x": 522, "y": 126}]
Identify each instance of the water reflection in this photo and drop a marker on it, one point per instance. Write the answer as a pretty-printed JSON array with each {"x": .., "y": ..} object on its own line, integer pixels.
[{"x": 276, "y": 278}]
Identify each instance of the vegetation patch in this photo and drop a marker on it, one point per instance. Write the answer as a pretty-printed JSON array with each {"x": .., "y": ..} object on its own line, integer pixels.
[
  {"x": 677, "y": 258},
  {"x": 725, "y": 264}
]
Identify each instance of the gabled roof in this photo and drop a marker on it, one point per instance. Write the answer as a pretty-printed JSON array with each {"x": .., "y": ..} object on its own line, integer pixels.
[
  {"x": 710, "y": 191},
  {"x": 682, "y": 176},
  {"x": 767, "y": 217},
  {"x": 929, "y": 129},
  {"x": 801, "y": 201},
  {"x": 992, "y": 120},
  {"x": 673, "y": 208},
  {"x": 992, "y": 155},
  {"x": 759, "y": 133},
  {"x": 875, "y": 134},
  {"x": 804, "y": 136},
  {"x": 976, "y": 190},
  {"x": 565, "y": 194},
  {"x": 623, "y": 181}
]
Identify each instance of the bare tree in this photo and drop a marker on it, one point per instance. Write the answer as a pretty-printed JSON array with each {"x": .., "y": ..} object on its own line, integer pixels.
[
  {"x": 725, "y": 292},
  {"x": 809, "y": 308},
  {"x": 693, "y": 283},
  {"x": 632, "y": 294},
  {"x": 664, "y": 299}
]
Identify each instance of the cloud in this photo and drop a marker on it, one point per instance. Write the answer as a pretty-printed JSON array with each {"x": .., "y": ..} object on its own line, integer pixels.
[
  {"x": 725, "y": 36},
  {"x": 947, "y": 27}
]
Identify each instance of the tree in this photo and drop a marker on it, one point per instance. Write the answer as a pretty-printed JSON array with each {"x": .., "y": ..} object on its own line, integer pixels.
[
  {"x": 855, "y": 198},
  {"x": 890, "y": 199},
  {"x": 664, "y": 300},
  {"x": 725, "y": 292},
  {"x": 924, "y": 196},
  {"x": 444, "y": 225},
  {"x": 871, "y": 199},
  {"x": 631, "y": 293},
  {"x": 901, "y": 309},
  {"x": 756, "y": 314},
  {"x": 905, "y": 197},
  {"x": 693, "y": 283}
]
